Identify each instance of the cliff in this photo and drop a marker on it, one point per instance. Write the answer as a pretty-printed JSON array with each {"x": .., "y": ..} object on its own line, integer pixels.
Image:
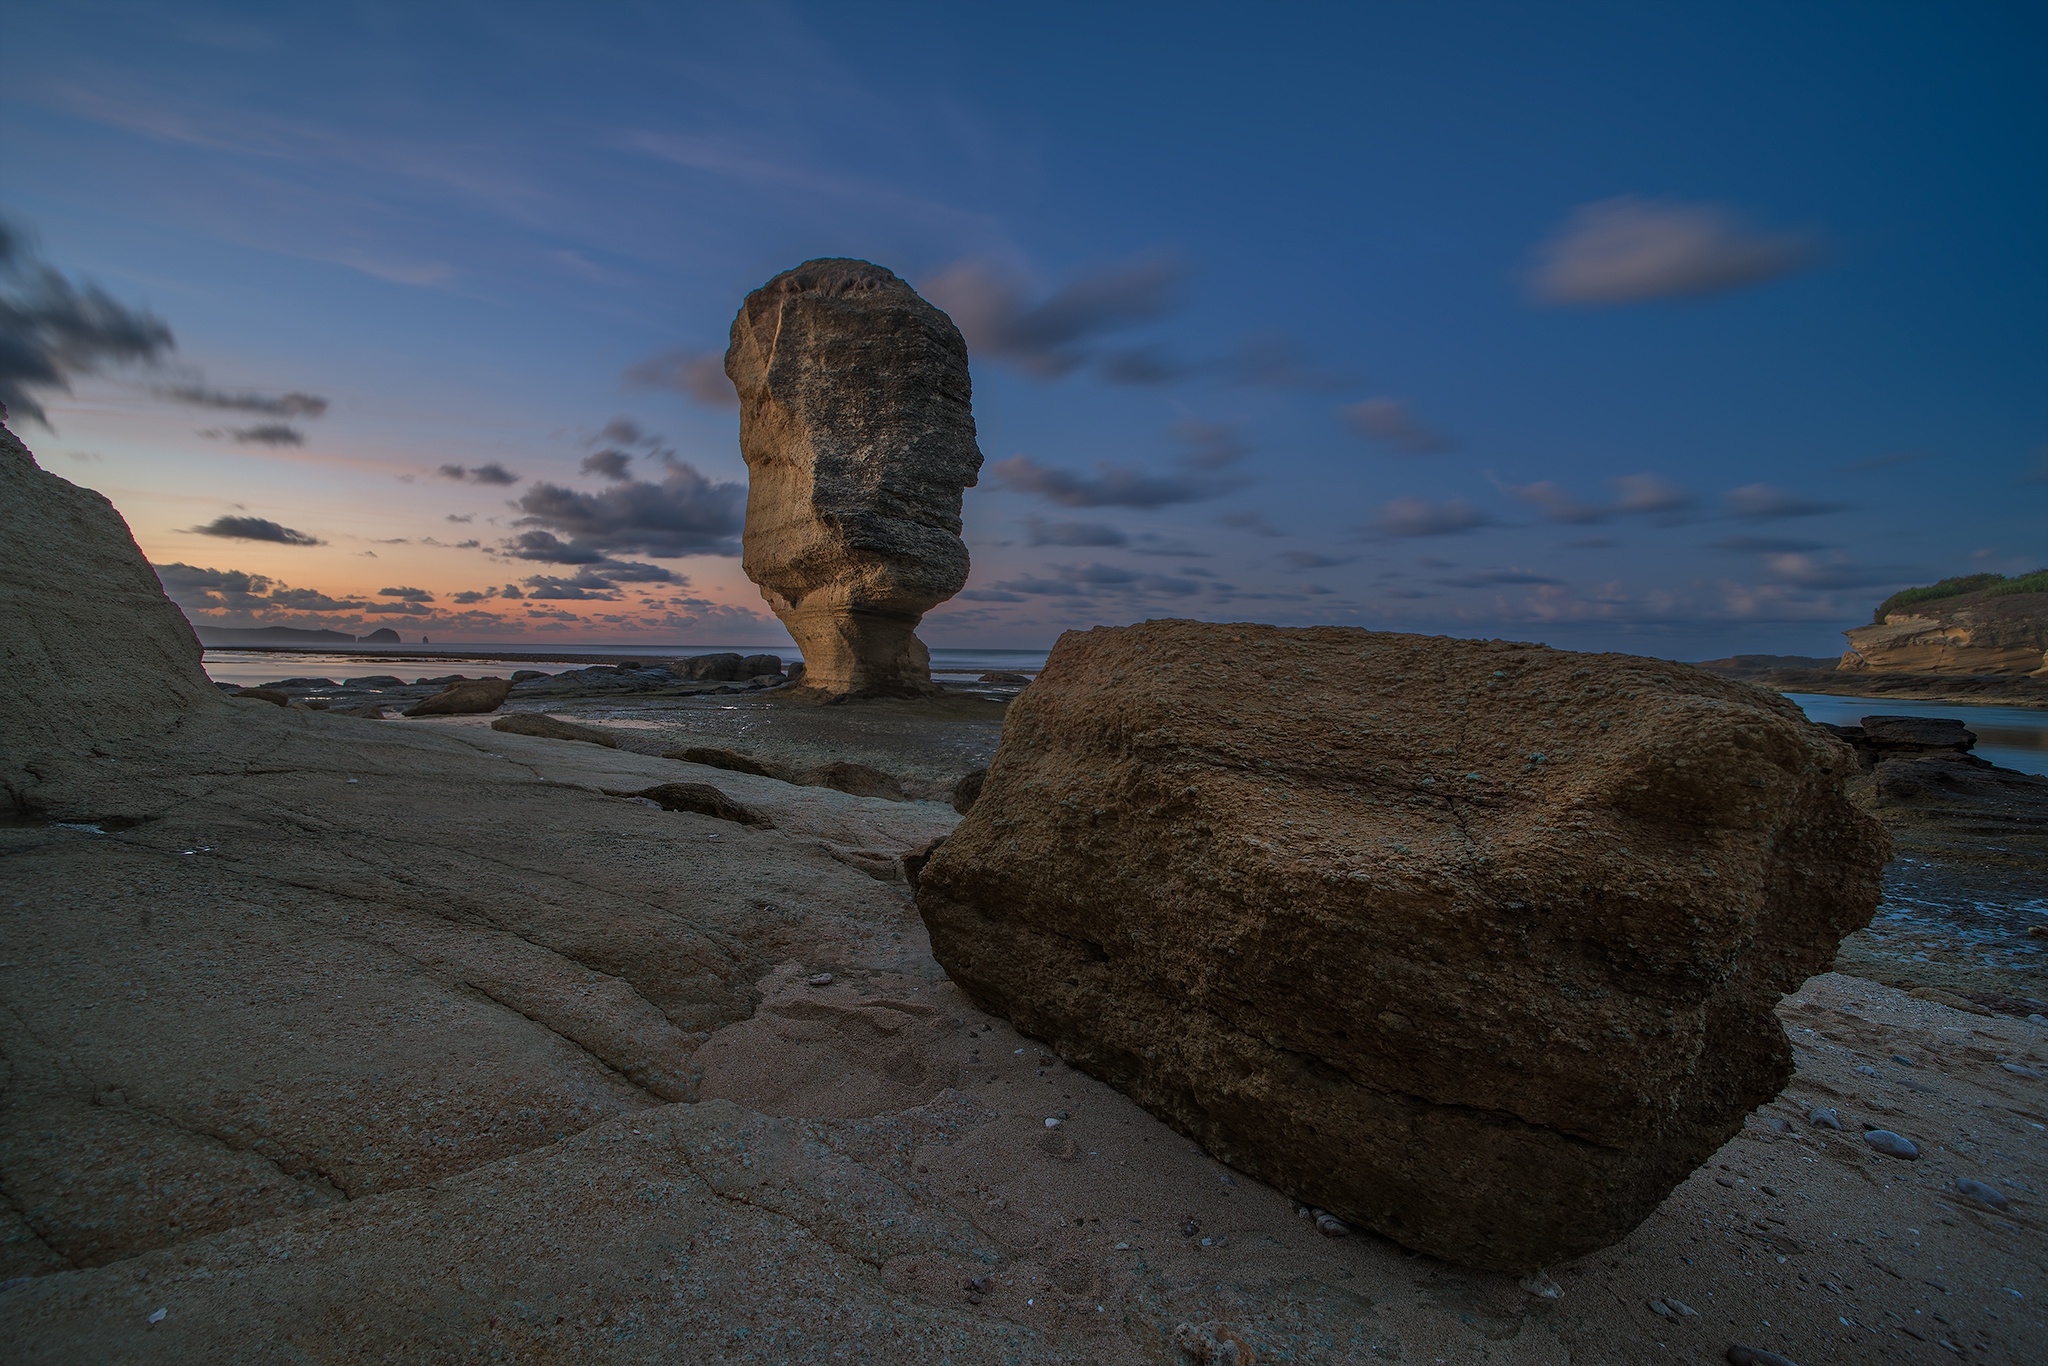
[{"x": 1982, "y": 625}]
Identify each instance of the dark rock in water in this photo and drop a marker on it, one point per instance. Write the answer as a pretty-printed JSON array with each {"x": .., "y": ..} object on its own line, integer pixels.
[
  {"x": 521, "y": 675},
  {"x": 725, "y": 668},
  {"x": 968, "y": 790},
  {"x": 377, "y": 681},
  {"x": 1001, "y": 676},
  {"x": 383, "y": 635},
  {"x": 464, "y": 698},
  {"x": 1471, "y": 943},
  {"x": 1961, "y": 779},
  {"x": 300, "y": 684},
  {"x": 857, "y": 426},
  {"x": 757, "y": 666},
  {"x": 857, "y": 780},
  {"x": 604, "y": 680},
  {"x": 270, "y": 695},
  {"x": 729, "y": 759},
  {"x": 548, "y": 728},
  {"x": 701, "y": 798},
  {"x": 1918, "y": 732}
]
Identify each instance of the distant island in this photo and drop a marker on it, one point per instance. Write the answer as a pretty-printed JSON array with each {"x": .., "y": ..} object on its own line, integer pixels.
[{"x": 227, "y": 637}]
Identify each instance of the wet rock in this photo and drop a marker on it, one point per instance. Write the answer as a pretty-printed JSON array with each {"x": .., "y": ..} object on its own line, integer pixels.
[
  {"x": 731, "y": 760},
  {"x": 270, "y": 695},
  {"x": 858, "y": 432},
  {"x": 967, "y": 790},
  {"x": 385, "y": 681},
  {"x": 1918, "y": 733},
  {"x": 761, "y": 666},
  {"x": 725, "y": 668},
  {"x": 548, "y": 728},
  {"x": 1891, "y": 1144},
  {"x": 701, "y": 798},
  {"x": 1001, "y": 676},
  {"x": 523, "y": 675},
  {"x": 467, "y": 697},
  {"x": 372, "y": 711},
  {"x": 301, "y": 684},
  {"x": 1305, "y": 894},
  {"x": 858, "y": 780}
]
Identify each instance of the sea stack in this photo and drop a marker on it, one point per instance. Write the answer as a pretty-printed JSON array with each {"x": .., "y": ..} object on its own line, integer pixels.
[
  {"x": 857, "y": 426},
  {"x": 1470, "y": 943}
]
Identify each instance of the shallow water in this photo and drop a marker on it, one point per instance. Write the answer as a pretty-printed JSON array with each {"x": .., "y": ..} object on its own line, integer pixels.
[
  {"x": 2011, "y": 737},
  {"x": 247, "y": 668}
]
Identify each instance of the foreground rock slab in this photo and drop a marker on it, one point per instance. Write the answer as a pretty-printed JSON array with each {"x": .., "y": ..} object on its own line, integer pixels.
[
  {"x": 858, "y": 432},
  {"x": 1470, "y": 943}
]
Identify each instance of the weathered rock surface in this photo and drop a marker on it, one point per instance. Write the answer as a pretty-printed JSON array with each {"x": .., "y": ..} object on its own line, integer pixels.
[
  {"x": 550, "y": 728},
  {"x": 1471, "y": 943},
  {"x": 858, "y": 432},
  {"x": 731, "y": 760},
  {"x": 701, "y": 798},
  {"x": 467, "y": 697},
  {"x": 1971, "y": 634}
]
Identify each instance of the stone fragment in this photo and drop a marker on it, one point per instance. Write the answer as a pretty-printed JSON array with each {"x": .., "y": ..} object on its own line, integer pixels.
[
  {"x": 548, "y": 728},
  {"x": 968, "y": 790},
  {"x": 731, "y": 760},
  {"x": 760, "y": 666},
  {"x": 466, "y": 697},
  {"x": 270, "y": 695},
  {"x": 859, "y": 780},
  {"x": 1003, "y": 676},
  {"x": 1242, "y": 874},
  {"x": 1918, "y": 732},
  {"x": 1891, "y": 1144},
  {"x": 701, "y": 798},
  {"x": 858, "y": 432},
  {"x": 1988, "y": 1196},
  {"x": 391, "y": 681}
]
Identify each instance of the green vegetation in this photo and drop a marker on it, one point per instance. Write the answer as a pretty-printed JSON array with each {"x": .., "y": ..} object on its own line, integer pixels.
[{"x": 1990, "y": 585}]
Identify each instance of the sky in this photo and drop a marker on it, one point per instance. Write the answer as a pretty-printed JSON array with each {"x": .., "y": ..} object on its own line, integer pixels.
[{"x": 1682, "y": 329}]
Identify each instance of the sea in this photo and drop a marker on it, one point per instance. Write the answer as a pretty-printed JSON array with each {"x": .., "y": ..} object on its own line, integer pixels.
[{"x": 2011, "y": 737}]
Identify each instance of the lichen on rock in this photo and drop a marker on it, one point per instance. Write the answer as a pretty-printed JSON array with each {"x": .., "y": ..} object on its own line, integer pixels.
[{"x": 857, "y": 426}]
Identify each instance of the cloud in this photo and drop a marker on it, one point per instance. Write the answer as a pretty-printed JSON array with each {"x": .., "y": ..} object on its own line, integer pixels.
[
  {"x": 1388, "y": 421},
  {"x": 262, "y": 434},
  {"x": 683, "y": 513},
  {"x": 1763, "y": 503},
  {"x": 698, "y": 374},
  {"x": 1210, "y": 445},
  {"x": 461, "y": 517},
  {"x": 409, "y": 594},
  {"x": 611, "y": 463},
  {"x": 294, "y": 404},
  {"x": 1419, "y": 517},
  {"x": 1144, "y": 365},
  {"x": 254, "y": 529},
  {"x": 1765, "y": 545},
  {"x": 1648, "y": 493},
  {"x": 493, "y": 473},
  {"x": 1091, "y": 580},
  {"x": 1272, "y": 360},
  {"x": 401, "y": 609},
  {"x": 53, "y": 331},
  {"x": 1042, "y": 532},
  {"x": 548, "y": 548},
  {"x": 1634, "y": 493},
  {"x": 1834, "y": 571},
  {"x": 1309, "y": 559},
  {"x": 1592, "y": 543},
  {"x": 1490, "y": 578},
  {"x": 1556, "y": 504},
  {"x": 1150, "y": 543},
  {"x": 1111, "y": 485},
  {"x": 1049, "y": 338},
  {"x": 624, "y": 431},
  {"x": 1244, "y": 519},
  {"x": 1630, "y": 250},
  {"x": 584, "y": 586}
]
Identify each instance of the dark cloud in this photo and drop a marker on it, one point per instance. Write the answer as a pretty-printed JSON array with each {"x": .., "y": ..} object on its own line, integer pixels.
[
  {"x": 548, "y": 548},
  {"x": 294, "y": 404},
  {"x": 1094, "y": 580},
  {"x": 611, "y": 463},
  {"x": 1309, "y": 559},
  {"x": 461, "y": 517},
  {"x": 1041, "y": 532},
  {"x": 1491, "y": 578},
  {"x": 469, "y": 595},
  {"x": 699, "y": 374},
  {"x": 1210, "y": 445},
  {"x": 1642, "y": 494},
  {"x": 586, "y": 586},
  {"x": 399, "y": 609},
  {"x": 1629, "y": 250},
  {"x": 262, "y": 434},
  {"x": 1110, "y": 486},
  {"x": 683, "y": 513},
  {"x": 623, "y": 431},
  {"x": 1050, "y": 337},
  {"x": 1144, "y": 365},
  {"x": 1765, "y": 545},
  {"x": 312, "y": 600},
  {"x": 188, "y": 580},
  {"x": 1763, "y": 503},
  {"x": 255, "y": 529},
  {"x": 53, "y": 331},
  {"x": 1389, "y": 422},
  {"x": 1243, "y": 519},
  {"x": 1419, "y": 517},
  {"x": 1149, "y": 543},
  {"x": 409, "y": 594},
  {"x": 493, "y": 473}
]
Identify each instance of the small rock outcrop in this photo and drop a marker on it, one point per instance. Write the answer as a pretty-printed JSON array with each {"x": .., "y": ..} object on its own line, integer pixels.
[
  {"x": 1470, "y": 943},
  {"x": 858, "y": 432},
  {"x": 701, "y": 798},
  {"x": 548, "y": 728},
  {"x": 465, "y": 697}
]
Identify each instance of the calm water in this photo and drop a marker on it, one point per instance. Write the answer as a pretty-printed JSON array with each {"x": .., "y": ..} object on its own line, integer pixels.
[
  {"x": 249, "y": 667},
  {"x": 2011, "y": 737}
]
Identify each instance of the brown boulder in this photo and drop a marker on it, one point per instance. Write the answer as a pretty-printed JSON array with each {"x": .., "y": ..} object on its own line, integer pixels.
[
  {"x": 1471, "y": 943},
  {"x": 702, "y": 798},
  {"x": 858, "y": 780},
  {"x": 731, "y": 760},
  {"x": 548, "y": 728},
  {"x": 466, "y": 697},
  {"x": 858, "y": 433}
]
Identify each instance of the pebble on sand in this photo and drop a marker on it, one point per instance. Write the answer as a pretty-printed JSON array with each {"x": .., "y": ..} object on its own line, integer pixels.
[
  {"x": 1738, "y": 1355},
  {"x": 1988, "y": 1196},
  {"x": 1824, "y": 1117},
  {"x": 1891, "y": 1144}
]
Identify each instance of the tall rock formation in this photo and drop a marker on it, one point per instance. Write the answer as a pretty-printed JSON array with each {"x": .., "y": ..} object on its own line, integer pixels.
[
  {"x": 1474, "y": 944},
  {"x": 858, "y": 431},
  {"x": 1988, "y": 632}
]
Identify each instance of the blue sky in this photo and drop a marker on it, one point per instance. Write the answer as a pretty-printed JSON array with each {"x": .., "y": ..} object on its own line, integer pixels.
[{"x": 1677, "y": 328}]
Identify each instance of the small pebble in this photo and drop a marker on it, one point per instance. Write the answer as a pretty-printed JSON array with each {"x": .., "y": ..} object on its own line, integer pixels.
[
  {"x": 1778, "y": 1124},
  {"x": 1987, "y": 1196},
  {"x": 157, "y": 1317},
  {"x": 2037, "y": 1019},
  {"x": 1891, "y": 1144},
  {"x": 818, "y": 979},
  {"x": 1330, "y": 1226},
  {"x": 1738, "y": 1355},
  {"x": 1867, "y": 1070},
  {"x": 1542, "y": 1287},
  {"x": 1052, "y": 1123},
  {"x": 1190, "y": 1229},
  {"x": 1824, "y": 1117},
  {"x": 1902, "y": 1060},
  {"x": 2020, "y": 1071}
]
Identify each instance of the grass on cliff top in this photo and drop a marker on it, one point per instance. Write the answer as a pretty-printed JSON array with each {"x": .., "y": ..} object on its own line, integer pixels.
[{"x": 1990, "y": 585}]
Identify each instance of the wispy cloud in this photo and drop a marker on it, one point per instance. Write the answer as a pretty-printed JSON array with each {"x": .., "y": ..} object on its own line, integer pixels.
[
  {"x": 1038, "y": 531},
  {"x": 1051, "y": 336},
  {"x": 682, "y": 513},
  {"x": 1210, "y": 445},
  {"x": 493, "y": 474},
  {"x": 1630, "y": 250},
  {"x": 1110, "y": 485},
  {"x": 1763, "y": 503},
  {"x": 293, "y": 404},
  {"x": 262, "y": 434},
  {"x": 699, "y": 374},
  {"x": 53, "y": 331},
  {"x": 1389, "y": 422},
  {"x": 1419, "y": 517},
  {"x": 1637, "y": 494}
]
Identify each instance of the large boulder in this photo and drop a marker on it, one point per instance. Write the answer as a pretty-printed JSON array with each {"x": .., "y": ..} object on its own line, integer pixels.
[
  {"x": 858, "y": 433},
  {"x": 464, "y": 697},
  {"x": 1472, "y": 943}
]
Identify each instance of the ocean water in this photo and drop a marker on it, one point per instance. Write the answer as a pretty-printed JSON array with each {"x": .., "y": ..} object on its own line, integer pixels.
[
  {"x": 2011, "y": 737},
  {"x": 247, "y": 668}
]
